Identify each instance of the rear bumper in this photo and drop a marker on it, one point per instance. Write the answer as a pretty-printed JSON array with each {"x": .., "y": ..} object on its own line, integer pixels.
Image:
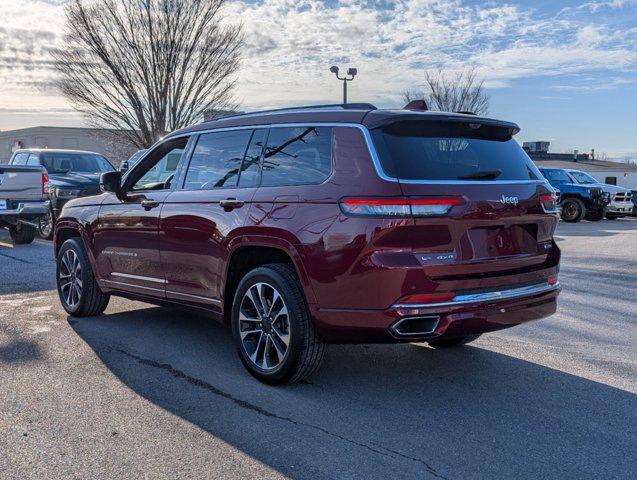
[
  {"x": 467, "y": 314},
  {"x": 26, "y": 210}
]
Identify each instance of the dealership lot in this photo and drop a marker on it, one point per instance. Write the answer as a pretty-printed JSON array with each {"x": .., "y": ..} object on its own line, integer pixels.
[{"x": 149, "y": 392}]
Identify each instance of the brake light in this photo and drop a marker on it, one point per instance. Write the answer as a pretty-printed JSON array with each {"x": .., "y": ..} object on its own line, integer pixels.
[
  {"x": 549, "y": 203},
  {"x": 424, "y": 298},
  {"x": 553, "y": 279},
  {"x": 45, "y": 183},
  {"x": 398, "y": 206}
]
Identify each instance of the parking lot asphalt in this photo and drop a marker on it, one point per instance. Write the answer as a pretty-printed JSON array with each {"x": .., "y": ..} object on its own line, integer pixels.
[{"x": 146, "y": 392}]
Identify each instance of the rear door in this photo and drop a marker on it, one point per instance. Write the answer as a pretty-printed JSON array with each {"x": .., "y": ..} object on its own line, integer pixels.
[
  {"x": 127, "y": 231},
  {"x": 200, "y": 218},
  {"x": 480, "y": 205}
]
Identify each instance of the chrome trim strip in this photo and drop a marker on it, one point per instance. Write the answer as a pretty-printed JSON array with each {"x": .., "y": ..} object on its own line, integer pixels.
[
  {"x": 197, "y": 297},
  {"x": 139, "y": 277},
  {"x": 488, "y": 296},
  {"x": 130, "y": 285},
  {"x": 370, "y": 146}
]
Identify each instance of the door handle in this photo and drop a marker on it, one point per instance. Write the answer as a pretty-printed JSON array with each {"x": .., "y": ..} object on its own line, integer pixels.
[
  {"x": 230, "y": 203},
  {"x": 148, "y": 204}
]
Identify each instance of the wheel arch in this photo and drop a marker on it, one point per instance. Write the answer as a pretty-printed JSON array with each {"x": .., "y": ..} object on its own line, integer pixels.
[{"x": 247, "y": 253}]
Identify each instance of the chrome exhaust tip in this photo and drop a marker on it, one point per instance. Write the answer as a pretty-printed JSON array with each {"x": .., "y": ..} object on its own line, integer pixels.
[{"x": 415, "y": 326}]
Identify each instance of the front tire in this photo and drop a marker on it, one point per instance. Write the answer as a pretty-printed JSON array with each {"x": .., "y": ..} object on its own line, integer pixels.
[
  {"x": 573, "y": 210},
  {"x": 453, "y": 342},
  {"x": 22, "y": 234},
  {"x": 272, "y": 328},
  {"x": 79, "y": 292}
]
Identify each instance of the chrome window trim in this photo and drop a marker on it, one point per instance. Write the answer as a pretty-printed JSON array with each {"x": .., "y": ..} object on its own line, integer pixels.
[
  {"x": 483, "y": 297},
  {"x": 370, "y": 146}
]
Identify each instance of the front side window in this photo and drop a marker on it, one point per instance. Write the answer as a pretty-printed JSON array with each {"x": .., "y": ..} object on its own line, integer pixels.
[
  {"x": 584, "y": 178},
  {"x": 217, "y": 160},
  {"x": 158, "y": 169},
  {"x": 426, "y": 150},
  {"x": 65, "y": 162},
  {"x": 297, "y": 156}
]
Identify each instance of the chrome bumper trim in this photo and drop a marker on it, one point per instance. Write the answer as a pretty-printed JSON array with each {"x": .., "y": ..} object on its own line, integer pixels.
[
  {"x": 485, "y": 297},
  {"x": 28, "y": 208}
]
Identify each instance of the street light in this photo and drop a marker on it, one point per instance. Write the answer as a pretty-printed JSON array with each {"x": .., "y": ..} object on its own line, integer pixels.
[{"x": 351, "y": 72}]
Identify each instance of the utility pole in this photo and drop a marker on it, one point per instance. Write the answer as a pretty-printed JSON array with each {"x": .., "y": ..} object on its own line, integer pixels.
[{"x": 351, "y": 72}]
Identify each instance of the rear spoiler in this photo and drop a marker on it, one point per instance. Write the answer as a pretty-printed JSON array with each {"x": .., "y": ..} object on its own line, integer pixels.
[{"x": 512, "y": 128}]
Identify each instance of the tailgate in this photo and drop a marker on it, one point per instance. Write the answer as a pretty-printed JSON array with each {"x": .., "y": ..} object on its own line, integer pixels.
[{"x": 20, "y": 183}]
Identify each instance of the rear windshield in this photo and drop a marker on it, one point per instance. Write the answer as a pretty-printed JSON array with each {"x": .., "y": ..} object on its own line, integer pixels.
[
  {"x": 424, "y": 150},
  {"x": 75, "y": 162}
]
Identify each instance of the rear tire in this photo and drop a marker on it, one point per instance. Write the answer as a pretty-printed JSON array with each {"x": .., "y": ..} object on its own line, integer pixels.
[
  {"x": 22, "y": 234},
  {"x": 79, "y": 292},
  {"x": 452, "y": 342},
  {"x": 573, "y": 210},
  {"x": 272, "y": 328},
  {"x": 46, "y": 226}
]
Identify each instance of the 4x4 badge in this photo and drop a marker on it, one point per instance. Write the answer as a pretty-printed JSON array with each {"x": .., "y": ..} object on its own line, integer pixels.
[{"x": 509, "y": 200}]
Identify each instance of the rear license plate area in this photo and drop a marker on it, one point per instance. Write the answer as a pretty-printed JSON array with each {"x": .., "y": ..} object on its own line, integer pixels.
[{"x": 500, "y": 241}]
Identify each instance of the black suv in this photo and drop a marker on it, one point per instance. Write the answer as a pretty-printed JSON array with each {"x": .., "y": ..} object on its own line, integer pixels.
[{"x": 72, "y": 174}]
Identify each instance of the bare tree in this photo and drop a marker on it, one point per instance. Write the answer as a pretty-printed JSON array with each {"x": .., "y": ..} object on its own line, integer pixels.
[
  {"x": 462, "y": 92},
  {"x": 147, "y": 67}
]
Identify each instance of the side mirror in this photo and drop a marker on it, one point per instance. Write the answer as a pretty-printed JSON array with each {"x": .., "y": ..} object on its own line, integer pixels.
[{"x": 111, "y": 182}]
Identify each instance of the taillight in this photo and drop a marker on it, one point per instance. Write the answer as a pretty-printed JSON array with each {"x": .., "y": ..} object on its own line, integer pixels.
[
  {"x": 398, "y": 206},
  {"x": 45, "y": 183},
  {"x": 549, "y": 203},
  {"x": 553, "y": 279}
]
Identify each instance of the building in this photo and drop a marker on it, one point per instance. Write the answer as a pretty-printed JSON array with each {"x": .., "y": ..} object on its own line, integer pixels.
[{"x": 105, "y": 142}]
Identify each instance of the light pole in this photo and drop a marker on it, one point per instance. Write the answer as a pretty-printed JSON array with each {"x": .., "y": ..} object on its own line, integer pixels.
[{"x": 351, "y": 72}]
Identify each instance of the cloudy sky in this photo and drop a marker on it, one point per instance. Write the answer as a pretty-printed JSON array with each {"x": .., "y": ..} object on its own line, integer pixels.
[{"x": 566, "y": 71}]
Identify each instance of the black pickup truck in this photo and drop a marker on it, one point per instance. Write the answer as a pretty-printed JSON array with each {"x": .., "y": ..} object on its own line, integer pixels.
[{"x": 71, "y": 173}]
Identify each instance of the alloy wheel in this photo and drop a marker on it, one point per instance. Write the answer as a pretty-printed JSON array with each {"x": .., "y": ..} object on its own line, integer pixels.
[
  {"x": 264, "y": 326},
  {"x": 46, "y": 225},
  {"x": 70, "y": 278}
]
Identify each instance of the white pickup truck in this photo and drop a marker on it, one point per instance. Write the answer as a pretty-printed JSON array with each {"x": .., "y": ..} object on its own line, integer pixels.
[{"x": 23, "y": 200}]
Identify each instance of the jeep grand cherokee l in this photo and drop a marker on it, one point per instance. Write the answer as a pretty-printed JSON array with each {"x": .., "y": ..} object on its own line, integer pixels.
[{"x": 334, "y": 224}]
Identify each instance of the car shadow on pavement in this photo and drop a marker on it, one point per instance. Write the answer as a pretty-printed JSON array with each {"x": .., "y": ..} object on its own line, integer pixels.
[{"x": 375, "y": 411}]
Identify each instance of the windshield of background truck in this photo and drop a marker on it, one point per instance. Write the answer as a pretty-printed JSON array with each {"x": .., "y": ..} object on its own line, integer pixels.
[{"x": 75, "y": 162}]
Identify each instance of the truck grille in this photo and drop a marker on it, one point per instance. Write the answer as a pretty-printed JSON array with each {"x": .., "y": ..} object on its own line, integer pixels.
[{"x": 622, "y": 197}]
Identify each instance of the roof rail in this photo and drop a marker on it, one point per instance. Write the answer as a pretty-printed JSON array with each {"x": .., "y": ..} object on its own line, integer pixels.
[{"x": 335, "y": 106}]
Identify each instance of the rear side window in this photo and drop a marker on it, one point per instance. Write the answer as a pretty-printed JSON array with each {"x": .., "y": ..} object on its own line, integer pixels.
[
  {"x": 217, "y": 159},
  {"x": 250, "y": 167},
  {"x": 20, "y": 159},
  {"x": 33, "y": 160},
  {"x": 297, "y": 156},
  {"x": 425, "y": 150},
  {"x": 556, "y": 175}
]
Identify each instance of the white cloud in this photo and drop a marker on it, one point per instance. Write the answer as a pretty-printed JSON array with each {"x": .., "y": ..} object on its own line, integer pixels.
[{"x": 290, "y": 45}]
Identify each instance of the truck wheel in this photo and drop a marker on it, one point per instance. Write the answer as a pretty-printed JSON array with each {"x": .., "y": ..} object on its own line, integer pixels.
[
  {"x": 272, "y": 327},
  {"x": 452, "y": 342},
  {"x": 594, "y": 216},
  {"x": 573, "y": 210},
  {"x": 46, "y": 225},
  {"x": 22, "y": 234},
  {"x": 78, "y": 290}
]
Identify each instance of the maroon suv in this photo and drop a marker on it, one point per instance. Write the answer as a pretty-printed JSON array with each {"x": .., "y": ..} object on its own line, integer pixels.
[{"x": 334, "y": 224}]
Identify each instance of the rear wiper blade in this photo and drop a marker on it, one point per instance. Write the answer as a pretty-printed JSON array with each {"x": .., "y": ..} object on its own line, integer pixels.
[{"x": 485, "y": 175}]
